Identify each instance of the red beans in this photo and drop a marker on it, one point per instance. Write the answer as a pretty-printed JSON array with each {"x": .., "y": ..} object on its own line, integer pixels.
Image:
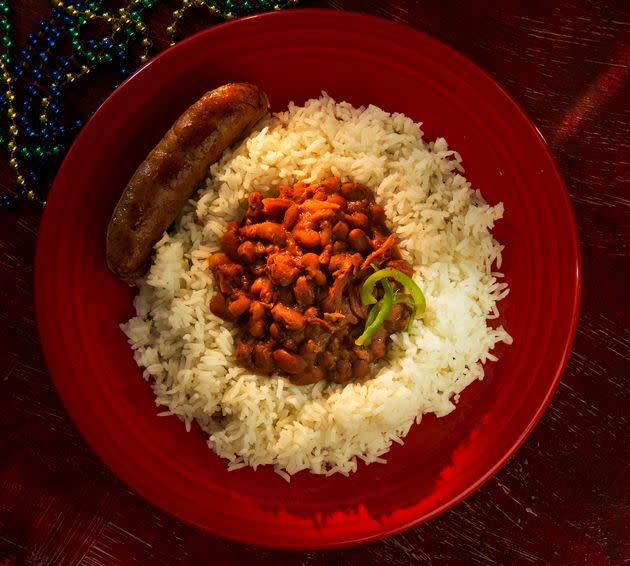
[
  {"x": 355, "y": 191},
  {"x": 283, "y": 269},
  {"x": 256, "y": 325},
  {"x": 263, "y": 358},
  {"x": 217, "y": 259},
  {"x": 239, "y": 305},
  {"x": 358, "y": 220},
  {"x": 340, "y": 230},
  {"x": 276, "y": 332},
  {"x": 263, "y": 289},
  {"x": 290, "y": 318},
  {"x": 230, "y": 240},
  {"x": 397, "y": 318},
  {"x": 343, "y": 371},
  {"x": 359, "y": 241},
  {"x": 229, "y": 277},
  {"x": 339, "y": 247},
  {"x": 247, "y": 251},
  {"x": 360, "y": 368},
  {"x": 276, "y": 207},
  {"x": 377, "y": 212},
  {"x": 289, "y": 274},
  {"x": 218, "y": 306},
  {"x": 331, "y": 184},
  {"x": 268, "y": 231},
  {"x": 325, "y": 234},
  {"x": 291, "y": 216},
  {"x": 313, "y": 205},
  {"x": 286, "y": 361},
  {"x": 243, "y": 353},
  {"x": 378, "y": 346},
  {"x": 310, "y": 376},
  {"x": 303, "y": 292},
  {"x": 338, "y": 199},
  {"x": 307, "y": 238}
]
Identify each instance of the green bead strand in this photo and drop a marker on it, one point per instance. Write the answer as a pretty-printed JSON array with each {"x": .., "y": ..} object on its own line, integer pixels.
[{"x": 126, "y": 30}]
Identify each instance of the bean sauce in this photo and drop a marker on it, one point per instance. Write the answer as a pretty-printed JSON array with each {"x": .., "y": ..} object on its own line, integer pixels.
[{"x": 290, "y": 275}]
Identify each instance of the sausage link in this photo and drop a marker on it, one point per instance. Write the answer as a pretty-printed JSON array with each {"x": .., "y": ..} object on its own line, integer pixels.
[{"x": 174, "y": 169}]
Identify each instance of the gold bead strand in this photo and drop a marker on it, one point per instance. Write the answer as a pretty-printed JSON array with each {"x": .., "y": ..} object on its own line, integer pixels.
[
  {"x": 13, "y": 128},
  {"x": 177, "y": 16}
]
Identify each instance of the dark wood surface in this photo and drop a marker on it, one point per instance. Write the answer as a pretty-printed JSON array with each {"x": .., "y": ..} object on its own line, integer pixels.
[{"x": 564, "y": 498}]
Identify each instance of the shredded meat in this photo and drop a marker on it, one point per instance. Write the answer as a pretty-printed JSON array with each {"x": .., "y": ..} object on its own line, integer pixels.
[{"x": 290, "y": 274}]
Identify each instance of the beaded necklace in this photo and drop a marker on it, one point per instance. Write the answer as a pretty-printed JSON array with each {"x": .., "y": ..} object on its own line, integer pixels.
[{"x": 34, "y": 127}]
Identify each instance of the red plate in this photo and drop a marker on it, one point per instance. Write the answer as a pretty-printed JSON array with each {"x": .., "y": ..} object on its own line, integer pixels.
[{"x": 294, "y": 55}]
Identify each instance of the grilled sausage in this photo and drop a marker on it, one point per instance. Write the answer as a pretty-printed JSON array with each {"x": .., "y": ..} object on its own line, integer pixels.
[{"x": 174, "y": 169}]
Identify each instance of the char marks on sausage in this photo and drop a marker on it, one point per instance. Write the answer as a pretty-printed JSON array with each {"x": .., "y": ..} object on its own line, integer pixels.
[{"x": 174, "y": 169}]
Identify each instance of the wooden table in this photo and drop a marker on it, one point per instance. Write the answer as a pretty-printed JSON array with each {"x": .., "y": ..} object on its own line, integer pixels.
[{"x": 564, "y": 498}]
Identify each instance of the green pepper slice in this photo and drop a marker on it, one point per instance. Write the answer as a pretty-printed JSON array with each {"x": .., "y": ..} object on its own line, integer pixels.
[
  {"x": 385, "y": 304},
  {"x": 367, "y": 290}
]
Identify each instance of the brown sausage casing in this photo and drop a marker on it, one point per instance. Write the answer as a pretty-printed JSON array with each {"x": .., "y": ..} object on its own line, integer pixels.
[{"x": 174, "y": 169}]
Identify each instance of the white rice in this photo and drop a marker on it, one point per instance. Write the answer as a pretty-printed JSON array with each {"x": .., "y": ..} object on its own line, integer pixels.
[{"x": 443, "y": 226}]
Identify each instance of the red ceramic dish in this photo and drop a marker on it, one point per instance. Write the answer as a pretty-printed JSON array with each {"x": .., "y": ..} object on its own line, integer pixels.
[{"x": 293, "y": 56}]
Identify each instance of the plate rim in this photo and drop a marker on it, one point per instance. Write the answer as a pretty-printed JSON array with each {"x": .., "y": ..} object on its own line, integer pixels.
[{"x": 95, "y": 445}]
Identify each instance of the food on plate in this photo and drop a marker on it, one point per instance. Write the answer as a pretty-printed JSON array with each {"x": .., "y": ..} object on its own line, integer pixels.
[
  {"x": 441, "y": 248},
  {"x": 174, "y": 169},
  {"x": 296, "y": 275}
]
